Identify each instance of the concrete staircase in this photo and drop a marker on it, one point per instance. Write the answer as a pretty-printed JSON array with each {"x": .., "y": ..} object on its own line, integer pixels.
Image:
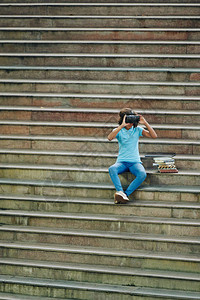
[{"x": 66, "y": 69}]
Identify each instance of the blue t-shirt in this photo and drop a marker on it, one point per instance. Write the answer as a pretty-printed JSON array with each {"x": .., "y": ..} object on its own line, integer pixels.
[{"x": 128, "y": 144}]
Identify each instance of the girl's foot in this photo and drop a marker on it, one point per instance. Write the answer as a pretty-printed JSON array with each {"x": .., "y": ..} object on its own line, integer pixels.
[{"x": 120, "y": 198}]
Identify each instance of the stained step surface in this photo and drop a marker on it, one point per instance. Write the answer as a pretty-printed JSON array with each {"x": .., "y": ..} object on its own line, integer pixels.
[{"x": 88, "y": 289}]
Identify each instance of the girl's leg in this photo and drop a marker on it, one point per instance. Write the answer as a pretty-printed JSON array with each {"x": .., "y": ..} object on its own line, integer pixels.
[
  {"x": 138, "y": 170},
  {"x": 114, "y": 170}
]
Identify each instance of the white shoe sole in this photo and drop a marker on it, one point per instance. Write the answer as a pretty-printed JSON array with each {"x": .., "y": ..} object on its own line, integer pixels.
[{"x": 120, "y": 200}]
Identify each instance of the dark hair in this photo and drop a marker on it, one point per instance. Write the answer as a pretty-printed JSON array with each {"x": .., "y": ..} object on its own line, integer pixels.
[{"x": 123, "y": 112}]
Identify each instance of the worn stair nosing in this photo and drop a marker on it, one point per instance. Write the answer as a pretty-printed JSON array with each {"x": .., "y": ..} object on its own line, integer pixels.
[
  {"x": 138, "y": 291},
  {"x": 104, "y": 82},
  {"x": 101, "y": 55},
  {"x": 93, "y": 139},
  {"x": 99, "y": 17},
  {"x": 95, "y": 110},
  {"x": 98, "y": 217},
  {"x": 109, "y": 69},
  {"x": 67, "y": 168},
  {"x": 50, "y": 183},
  {"x": 87, "y": 154},
  {"x": 94, "y": 125},
  {"x": 102, "y": 234},
  {"x": 125, "y": 42},
  {"x": 101, "y": 4},
  {"x": 103, "y": 96},
  {"x": 98, "y": 29},
  {"x": 103, "y": 269},
  {"x": 94, "y": 201},
  {"x": 100, "y": 251},
  {"x": 11, "y": 296}
]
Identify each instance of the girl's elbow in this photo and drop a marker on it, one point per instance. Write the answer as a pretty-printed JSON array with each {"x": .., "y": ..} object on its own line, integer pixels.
[{"x": 155, "y": 136}]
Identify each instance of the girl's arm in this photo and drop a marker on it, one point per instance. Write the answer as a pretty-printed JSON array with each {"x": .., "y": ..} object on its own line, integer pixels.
[
  {"x": 113, "y": 134},
  {"x": 150, "y": 133}
]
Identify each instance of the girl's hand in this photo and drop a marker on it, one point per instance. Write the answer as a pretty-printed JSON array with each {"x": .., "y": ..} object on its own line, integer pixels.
[
  {"x": 124, "y": 122},
  {"x": 142, "y": 120}
]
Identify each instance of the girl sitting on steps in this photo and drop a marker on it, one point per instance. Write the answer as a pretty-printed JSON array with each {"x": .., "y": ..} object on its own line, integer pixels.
[{"x": 128, "y": 157}]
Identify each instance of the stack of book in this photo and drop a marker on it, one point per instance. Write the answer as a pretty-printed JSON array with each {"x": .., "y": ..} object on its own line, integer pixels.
[{"x": 165, "y": 164}]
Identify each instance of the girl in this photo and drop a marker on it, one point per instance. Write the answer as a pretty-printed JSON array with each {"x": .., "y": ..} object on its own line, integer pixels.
[{"x": 128, "y": 157}]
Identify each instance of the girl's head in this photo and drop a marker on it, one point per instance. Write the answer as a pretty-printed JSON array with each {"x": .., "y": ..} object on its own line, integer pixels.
[{"x": 123, "y": 112}]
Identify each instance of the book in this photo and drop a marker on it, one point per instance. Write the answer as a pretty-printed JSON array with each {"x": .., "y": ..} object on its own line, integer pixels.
[{"x": 165, "y": 164}]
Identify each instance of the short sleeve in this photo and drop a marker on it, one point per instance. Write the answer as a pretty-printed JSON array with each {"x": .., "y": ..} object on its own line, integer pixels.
[
  {"x": 118, "y": 134},
  {"x": 140, "y": 130}
]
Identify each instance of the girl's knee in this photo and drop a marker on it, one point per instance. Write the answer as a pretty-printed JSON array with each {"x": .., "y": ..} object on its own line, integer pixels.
[
  {"x": 142, "y": 175},
  {"x": 112, "y": 169}
]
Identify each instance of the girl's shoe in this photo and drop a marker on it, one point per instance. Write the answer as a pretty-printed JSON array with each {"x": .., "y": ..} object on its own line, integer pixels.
[{"x": 120, "y": 198}]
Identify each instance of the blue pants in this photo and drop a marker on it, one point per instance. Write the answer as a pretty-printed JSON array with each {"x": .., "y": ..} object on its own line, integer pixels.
[{"x": 136, "y": 169}]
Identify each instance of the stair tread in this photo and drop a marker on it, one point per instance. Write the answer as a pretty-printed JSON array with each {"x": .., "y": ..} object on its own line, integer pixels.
[
  {"x": 99, "y": 217},
  {"x": 100, "y": 4},
  {"x": 147, "y": 203},
  {"x": 99, "y": 17},
  {"x": 102, "y": 234},
  {"x": 11, "y": 296},
  {"x": 75, "y": 153},
  {"x": 125, "y": 82},
  {"x": 152, "y": 188},
  {"x": 93, "y": 139},
  {"x": 174, "y": 294},
  {"x": 138, "y": 203},
  {"x": 104, "y": 55},
  {"x": 103, "y": 96},
  {"x": 83, "y": 168},
  {"x": 103, "y": 269},
  {"x": 97, "y": 29},
  {"x": 126, "y": 42},
  {"x": 100, "y": 251},
  {"x": 96, "y": 110},
  {"x": 121, "y": 69},
  {"x": 95, "y": 124}
]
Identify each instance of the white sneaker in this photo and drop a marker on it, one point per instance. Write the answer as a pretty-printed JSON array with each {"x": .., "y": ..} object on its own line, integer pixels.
[{"x": 121, "y": 197}]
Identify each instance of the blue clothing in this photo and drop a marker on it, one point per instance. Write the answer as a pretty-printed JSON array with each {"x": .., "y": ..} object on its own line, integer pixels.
[
  {"x": 135, "y": 168},
  {"x": 128, "y": 144},
  {"x": 128, "y": 159}
]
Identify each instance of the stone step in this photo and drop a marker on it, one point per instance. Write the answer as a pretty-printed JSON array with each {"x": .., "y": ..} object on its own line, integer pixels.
[
  {"x": 99, "y": 21},
  {"x": 103, "y": 1},
  {"x": 84, "y": 270},
  {"x": 80, "y": 115},
  {"x": 92, "y": 129},
  {"x": 66, "y": 100},
  {"x": 109, "y": 73},
  {"x": 102, "y": 274},
  {"x": 66, "y": 173},
  {"x": 74, "y": 158},
  {"x": 118, "y": 9},
  {"x": 101, "y": 60},
  {"x": 96, "y": 190},
  {"x": 92, "y": 238},
  {"x": 103, "y": 46},
  {"x": 122, "y": 223},
  {"x": 159, "y": 208},
  {"x": 75, "y": 33},
  {"x": 93, "y": 144},
  {"x": 104, "y": 87},
  {"x": 11, "y": 296},
  {"x": 58, "y": 288},
  {"x": 100, "y": 256}
]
